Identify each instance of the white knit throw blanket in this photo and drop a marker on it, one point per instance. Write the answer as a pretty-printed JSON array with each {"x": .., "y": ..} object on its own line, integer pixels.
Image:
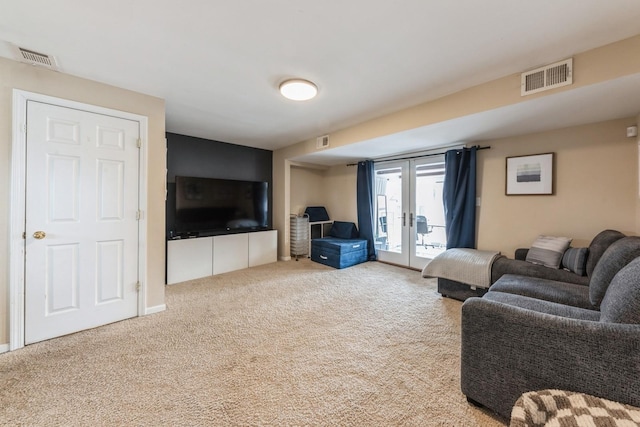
[{"x": 469, "y": 266}]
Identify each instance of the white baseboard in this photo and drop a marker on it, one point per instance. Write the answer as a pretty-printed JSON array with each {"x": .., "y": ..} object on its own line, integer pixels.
[
  {"x": 4, "y": 348},
  {"x": 285, "y": 258},
  {"x": 156, "y": 309}
]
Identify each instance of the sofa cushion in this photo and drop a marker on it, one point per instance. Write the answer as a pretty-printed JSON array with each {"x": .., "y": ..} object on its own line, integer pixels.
[
  {"x": 343, "y": 230},
  {"x": 621, "y": 303},
  {"x": 598, "y": 245},
  {"x": 542, "y": 306},
  {"x": 548, "y": 251},
  {"x": 575, "y": 260},
  {"x": 620, "y": 253},
  {"x": 547, "y": 290},
  {"x": 504, "y": 265}
]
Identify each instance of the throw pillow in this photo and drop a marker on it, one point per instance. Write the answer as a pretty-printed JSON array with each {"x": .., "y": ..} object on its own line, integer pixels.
[
  {"x": 548, "y": 251},
  {"x": 575, "y": 260}
]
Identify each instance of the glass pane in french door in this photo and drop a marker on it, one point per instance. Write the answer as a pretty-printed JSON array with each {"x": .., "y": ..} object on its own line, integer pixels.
[
  {"x": 392, "y": 217},
  {"x": 430, "y": 237},
  {"x": 389, "y": 209}
]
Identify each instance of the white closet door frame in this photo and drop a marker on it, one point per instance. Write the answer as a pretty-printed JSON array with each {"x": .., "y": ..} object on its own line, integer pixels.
[{"x": 17, "y": 205}]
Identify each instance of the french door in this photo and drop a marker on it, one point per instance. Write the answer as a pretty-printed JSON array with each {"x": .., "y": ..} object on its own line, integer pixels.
[{"x": 410, "y": 228}]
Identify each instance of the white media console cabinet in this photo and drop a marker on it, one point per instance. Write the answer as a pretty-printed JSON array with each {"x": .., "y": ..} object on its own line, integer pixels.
[{"x": 189, "y": 259}]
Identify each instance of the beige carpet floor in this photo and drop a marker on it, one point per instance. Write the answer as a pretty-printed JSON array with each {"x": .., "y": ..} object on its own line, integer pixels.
[{"x": 286, "y": 344}]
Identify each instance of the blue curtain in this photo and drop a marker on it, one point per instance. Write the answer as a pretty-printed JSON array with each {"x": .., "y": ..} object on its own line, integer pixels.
[
  {"x": 459, "y": 197},
  {"x": 365, "y": 205}
]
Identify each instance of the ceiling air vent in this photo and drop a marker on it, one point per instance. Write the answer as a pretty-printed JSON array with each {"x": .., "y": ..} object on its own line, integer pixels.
[
  {"x": 322, "y": 142},
  {"x": 36, "y": 58},
  {"x": 547, "y": 77}
]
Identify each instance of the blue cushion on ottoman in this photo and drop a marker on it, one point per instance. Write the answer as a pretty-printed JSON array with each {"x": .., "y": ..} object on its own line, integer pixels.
[{"x": 343, "y": 230}]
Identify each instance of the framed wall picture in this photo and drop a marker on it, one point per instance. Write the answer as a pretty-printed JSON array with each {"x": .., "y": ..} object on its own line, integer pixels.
[{"x": 527, "y": 175}]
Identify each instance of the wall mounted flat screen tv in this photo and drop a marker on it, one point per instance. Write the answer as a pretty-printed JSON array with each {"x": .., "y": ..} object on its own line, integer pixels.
[{"x": 220, "y": 205}]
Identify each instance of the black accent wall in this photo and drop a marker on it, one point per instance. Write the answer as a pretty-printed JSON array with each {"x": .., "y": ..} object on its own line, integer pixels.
[{"x": 191, "y": 156}]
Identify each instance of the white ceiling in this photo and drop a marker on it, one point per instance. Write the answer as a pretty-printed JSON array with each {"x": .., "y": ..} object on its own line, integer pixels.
[{"x": 218, "y": 63}]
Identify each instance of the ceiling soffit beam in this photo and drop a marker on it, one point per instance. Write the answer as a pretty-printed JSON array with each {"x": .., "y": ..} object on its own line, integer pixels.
[{"x": 609, "y": 62}]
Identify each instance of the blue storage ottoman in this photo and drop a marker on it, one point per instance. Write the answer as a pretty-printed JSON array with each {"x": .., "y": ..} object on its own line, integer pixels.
[
  {"x": 342, "y": 248},
  {"x": 338, "y": 253}
]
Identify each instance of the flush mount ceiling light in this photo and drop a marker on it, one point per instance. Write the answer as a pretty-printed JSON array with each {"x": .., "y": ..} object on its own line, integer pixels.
[{"x": 298, "y": 89}]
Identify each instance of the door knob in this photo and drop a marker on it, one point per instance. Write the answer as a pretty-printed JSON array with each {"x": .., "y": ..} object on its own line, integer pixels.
[{"x": 39, "y": 235}]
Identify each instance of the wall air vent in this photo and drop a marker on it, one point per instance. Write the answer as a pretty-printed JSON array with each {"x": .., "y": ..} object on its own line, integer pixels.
[
  {"x": 547, "y": 77},
  {"x": 36, "y": 58},
  {"x": 322, "y": 142}
]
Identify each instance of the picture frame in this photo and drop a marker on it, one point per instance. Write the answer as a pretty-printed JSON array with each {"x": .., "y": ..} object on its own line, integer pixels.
[{"x": 529, "y": 175}]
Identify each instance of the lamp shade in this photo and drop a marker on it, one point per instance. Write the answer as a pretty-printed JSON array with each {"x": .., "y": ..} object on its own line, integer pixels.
[{"x": 298, "y": 89}]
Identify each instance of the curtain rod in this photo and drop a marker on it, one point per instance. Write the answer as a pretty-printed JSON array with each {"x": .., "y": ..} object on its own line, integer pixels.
[{"x": 419, "y": 157}]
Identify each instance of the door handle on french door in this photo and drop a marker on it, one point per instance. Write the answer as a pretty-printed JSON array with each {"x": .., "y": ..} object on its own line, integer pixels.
[
  {"x": 39, "y": 235},
  {"x": 404, "y": 219},
  {"x": 411, "y": 219}
]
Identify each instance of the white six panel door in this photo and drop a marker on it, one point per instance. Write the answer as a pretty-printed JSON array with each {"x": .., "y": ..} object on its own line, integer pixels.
[{"x": 82, "y": 194}]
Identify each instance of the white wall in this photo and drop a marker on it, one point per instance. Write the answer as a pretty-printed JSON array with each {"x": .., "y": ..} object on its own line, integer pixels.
[
  {"x": 596, "y": 187},
  {"x": 334, "y": 188},
  {"x": 307, "y": 189}
]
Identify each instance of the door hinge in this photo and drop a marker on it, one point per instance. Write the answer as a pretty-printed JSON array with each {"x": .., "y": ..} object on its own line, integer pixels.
[
  {"x": 24, "y": 235},
  {"x": 139, "y": 142},
  {"x": 138, "y": 215},
  {"x": 138, "y": 286}
]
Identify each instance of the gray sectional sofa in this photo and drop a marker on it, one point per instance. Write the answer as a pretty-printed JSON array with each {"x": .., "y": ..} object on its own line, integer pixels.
[
  {"x": 519, "y": 266},
  {"x": 532, "y": 333}
]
